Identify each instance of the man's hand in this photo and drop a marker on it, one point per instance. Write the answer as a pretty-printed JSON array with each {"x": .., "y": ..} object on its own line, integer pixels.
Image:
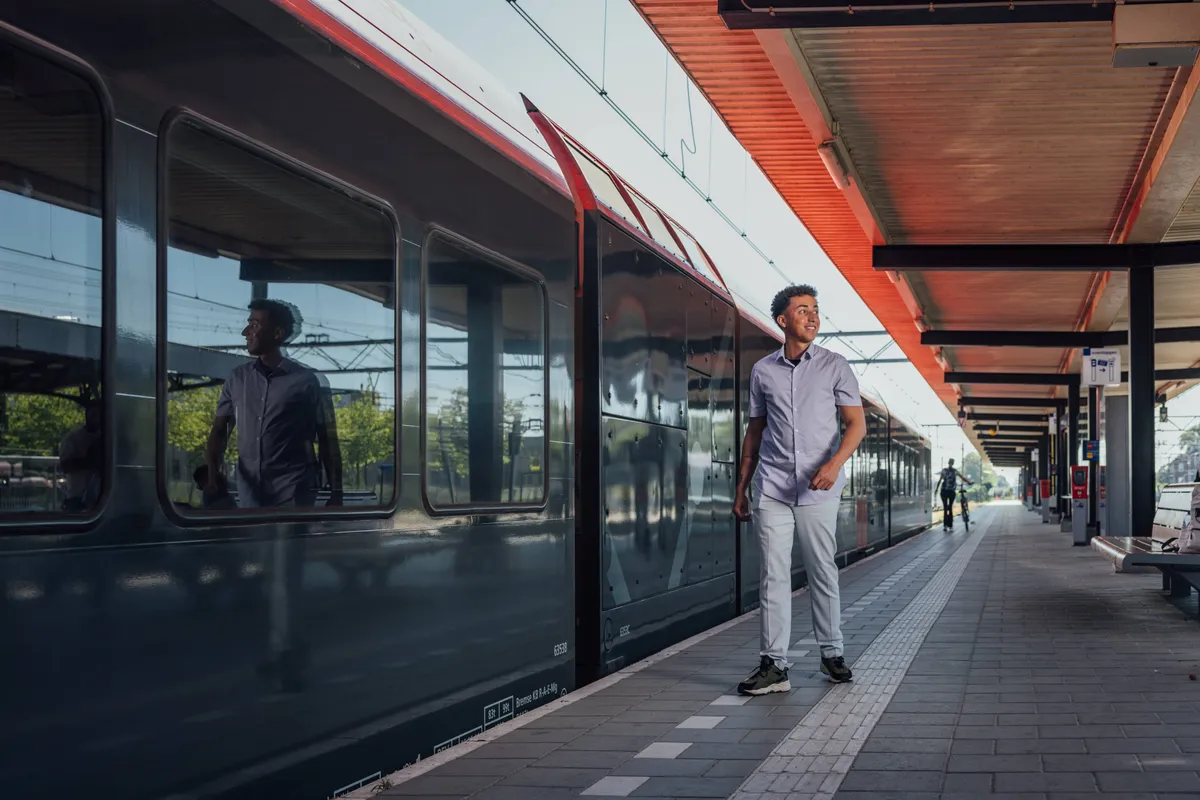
[
  {"x": 741, "y": 506},
  {"x": 826, "y": 476}
]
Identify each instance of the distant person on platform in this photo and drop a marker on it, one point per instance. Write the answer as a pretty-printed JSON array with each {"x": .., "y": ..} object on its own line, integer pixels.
[
  {"x": 280, "y": 409},
  {"x": 796, "y": 397},
  {"x": 79, "y": 459}
]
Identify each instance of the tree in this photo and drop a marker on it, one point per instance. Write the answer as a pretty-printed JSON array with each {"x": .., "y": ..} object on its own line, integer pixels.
[
  {"x": 189, "y": 419},
  {"x": 447, "y": 453},
  {"x": 982, "y": 475},
  {"x": 366, "y": 433},
  {"x": 36, "y": 424}
]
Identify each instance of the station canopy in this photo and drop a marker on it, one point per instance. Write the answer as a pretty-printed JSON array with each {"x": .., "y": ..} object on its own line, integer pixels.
[{"x": 1028, "y": 146}]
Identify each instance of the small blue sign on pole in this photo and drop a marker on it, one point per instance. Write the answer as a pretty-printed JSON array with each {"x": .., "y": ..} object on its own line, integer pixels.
[{"x": 1091, "y": 450}]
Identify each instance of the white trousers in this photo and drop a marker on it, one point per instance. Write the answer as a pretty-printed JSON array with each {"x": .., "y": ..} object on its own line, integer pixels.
[{"x": 816, "y": 527}]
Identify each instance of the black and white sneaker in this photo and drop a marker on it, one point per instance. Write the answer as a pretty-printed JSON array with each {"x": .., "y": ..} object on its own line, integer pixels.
[
  {"x": 836, "y": 669},
  {"x": 766, "y": 679}
]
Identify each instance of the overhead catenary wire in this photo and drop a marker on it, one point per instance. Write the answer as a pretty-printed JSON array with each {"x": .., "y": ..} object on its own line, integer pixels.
[{"x": 601, "y": 90}]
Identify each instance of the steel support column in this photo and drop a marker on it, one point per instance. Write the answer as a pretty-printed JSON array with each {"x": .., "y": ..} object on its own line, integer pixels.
[
  {"x": 1141, "y": 401},
  {"x": 1072, "y": 436},
  {"x": 1094, "y": 471}
]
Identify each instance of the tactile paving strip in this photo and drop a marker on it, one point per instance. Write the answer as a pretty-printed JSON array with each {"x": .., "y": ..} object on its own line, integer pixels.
[{"x": 811, "y": 762}]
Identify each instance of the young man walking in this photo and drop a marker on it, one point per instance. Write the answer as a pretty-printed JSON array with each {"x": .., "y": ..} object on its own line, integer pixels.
[{"x": 793, "y": 437}]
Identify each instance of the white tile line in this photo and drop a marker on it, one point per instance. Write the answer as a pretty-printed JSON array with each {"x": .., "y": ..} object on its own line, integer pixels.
[
  {"x": 424, "y": 765},
  {"x": 816, "y": 755},
  {"x": 613, "y": 786},
  {"x": 700, "y": 723},
  {"x": 664, "y": 750}
]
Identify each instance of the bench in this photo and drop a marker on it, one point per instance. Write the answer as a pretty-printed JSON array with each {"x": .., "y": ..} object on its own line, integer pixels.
[{"x": 1181, "y": 572}]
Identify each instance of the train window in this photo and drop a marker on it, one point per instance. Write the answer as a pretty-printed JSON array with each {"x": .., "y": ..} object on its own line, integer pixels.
[
  {"x": 52, "y": 222},
  {"x": 280, "y": 326},
  {"x": 485, "y": 379},
  {"x": 603, "y": 186},
  {"x": 698, "y": 259},
  {"x": 658, "y": 229}
]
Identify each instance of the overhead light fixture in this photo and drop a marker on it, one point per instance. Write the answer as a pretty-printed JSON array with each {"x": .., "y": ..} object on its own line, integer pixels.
[
  {"x": 833, "y": 164},
  {"x": 962, "y": 416},
  {"x": 1162, "y": 35},
  {"x": 1162, "y": 413}
]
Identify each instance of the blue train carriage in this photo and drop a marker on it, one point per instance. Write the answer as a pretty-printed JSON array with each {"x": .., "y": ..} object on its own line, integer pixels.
[
  {"x": 437, "y": 247},
  {"x": 656, "y": 548},
  {"x": 163, "y": 164}
]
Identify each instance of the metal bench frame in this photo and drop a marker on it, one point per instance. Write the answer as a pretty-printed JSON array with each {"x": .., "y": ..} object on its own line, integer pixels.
[{"x": 1180, "y": 571}]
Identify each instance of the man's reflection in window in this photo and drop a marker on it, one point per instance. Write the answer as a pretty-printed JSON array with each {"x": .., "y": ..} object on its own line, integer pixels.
[
  {"x": 80, "y": 460},
  {"x": 280, "y": 409}
]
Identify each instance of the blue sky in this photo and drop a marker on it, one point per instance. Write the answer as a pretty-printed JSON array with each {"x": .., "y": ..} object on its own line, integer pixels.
[{"x": 624, "y": 55}]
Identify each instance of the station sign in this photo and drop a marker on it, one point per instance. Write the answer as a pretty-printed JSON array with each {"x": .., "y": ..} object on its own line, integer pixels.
[
  {"x": 1100, "y": 367},
  {"x": 1091, "y": 450}
]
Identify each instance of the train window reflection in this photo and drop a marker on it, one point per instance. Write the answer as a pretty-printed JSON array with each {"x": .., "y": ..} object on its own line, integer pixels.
[
  {"x": 603, "y": 187},
  {"x": 658, "y": 230},
  {"x": 51, "y": 234},
  {"x": 281, "y": 331},
  {"x": 485, "y": 379}
]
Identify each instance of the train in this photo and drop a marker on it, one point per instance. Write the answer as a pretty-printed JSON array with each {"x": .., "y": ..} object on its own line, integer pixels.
[{"x": 538, "y": 383}]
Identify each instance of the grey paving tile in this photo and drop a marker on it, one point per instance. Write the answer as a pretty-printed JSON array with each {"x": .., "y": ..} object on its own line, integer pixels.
[
  {"x": 523, "y": 793},
  {"x": 874, "y": 781},
  {"x": 1135, "y": 746},
  {"x": 1188, "y": 762},
  {"x": 714, "y": 735},
  {"x": 441, "y": 786},
  {"x": 1109, "y": 762},
  {"x": 995, "y": 732},
  {"x": 1044, "y": 746},
  {"x": 732, "y": 768},
  {"x": 496, "y": 767},
  {"x": 874, "y": 745},
  {"x": 607, "y": 759},
  {"x": 688, "y": 787},
  {"x": 551, "y": 735},
  {"x": 568, "y": 777},
  {"x": 976, "y": 784},
  {"x": 501, "y": 749},
  {"x": 913, "y": 731},
  {"x": 729, "y": 751},
  {"x": 900, "y": 761},
  {"x": 666, "y": 767},
  {"x": 995, "y": 763},
  {"x": 1045, "y": 782},
  {"x": 1149, "y": 782},
  {"x": 591, "y": 741}
]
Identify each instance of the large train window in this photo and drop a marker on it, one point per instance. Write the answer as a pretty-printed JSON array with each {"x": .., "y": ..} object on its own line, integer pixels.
[
  {"x": 279, "y": 357},
  {"x": 484, "y": 381},
  {"x": 53, "y": 126}
]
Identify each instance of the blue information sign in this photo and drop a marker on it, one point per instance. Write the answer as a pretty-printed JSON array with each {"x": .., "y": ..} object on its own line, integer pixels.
[{"x": 1091, "y": 450}]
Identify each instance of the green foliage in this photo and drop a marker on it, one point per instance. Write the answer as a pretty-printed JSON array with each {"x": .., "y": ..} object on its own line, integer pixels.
[
  {"x": 366, "y": 434},
  {"x": 366, "y": 431},
  {"x": 983, "y": 476},
  {"x": 189, "y": 419},
  {"x": 36, "y": 424},
  {"x": 447, "y": 450}
]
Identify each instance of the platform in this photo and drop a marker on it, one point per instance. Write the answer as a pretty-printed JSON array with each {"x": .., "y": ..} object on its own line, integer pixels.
[{"x": 999, "y": 662}]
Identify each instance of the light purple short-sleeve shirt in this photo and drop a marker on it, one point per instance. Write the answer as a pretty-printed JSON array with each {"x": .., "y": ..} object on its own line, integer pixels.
[{"x": 803, "y": 429}]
